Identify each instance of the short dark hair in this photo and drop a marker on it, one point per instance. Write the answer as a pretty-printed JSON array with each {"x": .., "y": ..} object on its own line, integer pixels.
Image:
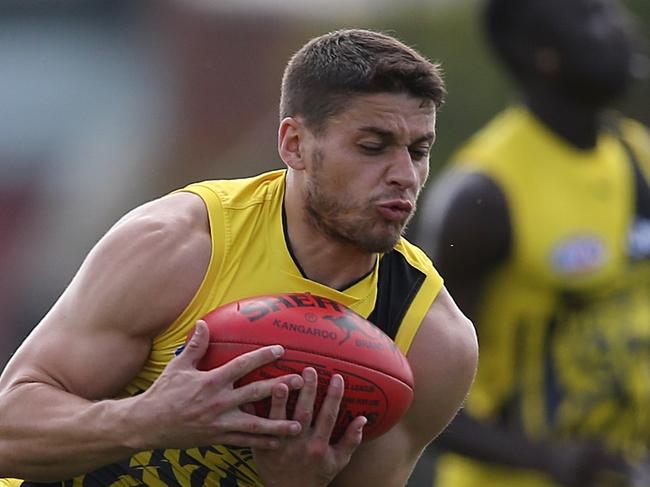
[{"x": 325, "y": 72}]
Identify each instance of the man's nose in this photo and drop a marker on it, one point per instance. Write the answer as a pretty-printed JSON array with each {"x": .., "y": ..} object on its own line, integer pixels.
[{"x": 402, "y": 171}]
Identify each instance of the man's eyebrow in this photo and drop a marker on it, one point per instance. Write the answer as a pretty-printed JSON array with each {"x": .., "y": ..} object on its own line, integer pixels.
[
  {"x": 429, "y": 137},
  {"x": 387, "y": 134}
]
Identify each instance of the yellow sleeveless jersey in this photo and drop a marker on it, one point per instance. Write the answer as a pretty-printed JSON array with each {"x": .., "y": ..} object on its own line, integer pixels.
[
  {"x": 564, "y": 324},
  {"x": 250, "y": 257}
]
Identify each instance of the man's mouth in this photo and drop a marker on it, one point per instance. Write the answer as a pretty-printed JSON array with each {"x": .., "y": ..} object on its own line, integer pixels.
[{"x": 395, "y": 210}]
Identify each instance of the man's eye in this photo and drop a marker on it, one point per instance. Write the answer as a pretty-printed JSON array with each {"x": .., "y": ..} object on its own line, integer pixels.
[
  {"x": 420, "y": 154},
  {"x": 371, "y": 149}
]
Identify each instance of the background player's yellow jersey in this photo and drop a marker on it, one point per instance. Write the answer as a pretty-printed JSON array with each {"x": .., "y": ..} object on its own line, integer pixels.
[
  {"x": 251, "y": 256},
  {"x": 564, "y": 324}
]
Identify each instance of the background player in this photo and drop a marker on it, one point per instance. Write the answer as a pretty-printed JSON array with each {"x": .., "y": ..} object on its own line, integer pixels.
[{"x": 540, "y": 229}]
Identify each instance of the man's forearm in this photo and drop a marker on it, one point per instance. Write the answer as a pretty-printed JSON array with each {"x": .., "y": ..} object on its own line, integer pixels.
[
  {"x": 483, "y": 442},
  {"x": 47, "y": 434}
]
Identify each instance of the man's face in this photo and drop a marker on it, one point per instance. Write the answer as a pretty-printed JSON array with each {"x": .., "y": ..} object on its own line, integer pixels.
[
  {"x": 366, "y": 170},
  {"x": 594, "y": 43}
]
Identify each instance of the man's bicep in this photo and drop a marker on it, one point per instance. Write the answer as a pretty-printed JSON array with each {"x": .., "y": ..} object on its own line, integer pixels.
[
  {"x": 91, "y": 342},
  {"x": 465, "y": 229},
  {"x": 443, "y": 357},
  {"x": 465, "y": 222},
  {"x": 87, "y": 361},
  {"x": 133, "y": 284}
]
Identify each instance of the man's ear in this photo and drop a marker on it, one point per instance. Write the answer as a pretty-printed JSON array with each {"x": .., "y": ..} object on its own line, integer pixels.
[{"x": 291, "y": 138}]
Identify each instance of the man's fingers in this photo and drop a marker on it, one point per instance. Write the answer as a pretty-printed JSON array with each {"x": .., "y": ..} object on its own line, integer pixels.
[
  {"x": 329, "y": 410},
  {"x": 352, "y": 437},
  {"x": 248, "y": 362},
  {"x": 196, "y": 347},
  {"x": 252, "y": 441},
  {"x": 262, "y": 389},
  {"x": 279, "y": 399},
  {"x": 305, "y": 405},
  {"x": 255, "y": 425}
]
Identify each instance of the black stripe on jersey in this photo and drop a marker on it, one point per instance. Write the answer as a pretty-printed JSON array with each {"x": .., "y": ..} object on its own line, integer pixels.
[
  {"x": 641, "y": 185},
  {"x": 641, "y": 188},
  {"x": 399, "y": 283}
]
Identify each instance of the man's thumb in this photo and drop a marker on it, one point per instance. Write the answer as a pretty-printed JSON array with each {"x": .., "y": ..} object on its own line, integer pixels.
[{"x": 197, "y": 345}]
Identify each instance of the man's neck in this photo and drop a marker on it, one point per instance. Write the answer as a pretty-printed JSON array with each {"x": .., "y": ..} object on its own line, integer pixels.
[
  {"x": 320, "y": 257},
  {"x": 578, "y": 124},
  {"x": 331, "y": 264}
]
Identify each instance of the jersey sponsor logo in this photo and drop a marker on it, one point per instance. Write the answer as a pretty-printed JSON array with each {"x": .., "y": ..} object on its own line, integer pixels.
[{"x": 579, "y": 255}]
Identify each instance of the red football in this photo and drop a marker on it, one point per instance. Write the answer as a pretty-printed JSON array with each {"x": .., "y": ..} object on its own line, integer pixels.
[{"x": 321, "y": 333}]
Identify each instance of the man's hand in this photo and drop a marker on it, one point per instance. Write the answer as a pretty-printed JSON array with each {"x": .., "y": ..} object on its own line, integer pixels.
[
  {"x": 195, "y": 408},
  {"x": 308, "y": 460}
]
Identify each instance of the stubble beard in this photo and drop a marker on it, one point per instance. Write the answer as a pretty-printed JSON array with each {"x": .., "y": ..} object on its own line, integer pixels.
[{"x": 326, "y": 214}]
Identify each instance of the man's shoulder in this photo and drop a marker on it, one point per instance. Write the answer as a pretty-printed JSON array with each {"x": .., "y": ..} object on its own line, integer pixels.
[
  {"x": 173, "y": 215},
  {"x": 637, "y": 135},
  {"x": 461, "y": 196},
  {"x": 506, "y": 134},
  {"x": 240, "y": 192},
  {"x": 634, "y": 126}
]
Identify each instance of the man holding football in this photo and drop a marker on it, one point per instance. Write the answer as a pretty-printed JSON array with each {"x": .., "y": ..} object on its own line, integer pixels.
[{"x": 95, "y": 396}]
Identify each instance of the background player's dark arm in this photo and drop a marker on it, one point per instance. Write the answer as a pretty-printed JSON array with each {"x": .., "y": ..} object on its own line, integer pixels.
[
  {"x": 570, "y": 464},
  {"x": 465, "y": 228}
]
